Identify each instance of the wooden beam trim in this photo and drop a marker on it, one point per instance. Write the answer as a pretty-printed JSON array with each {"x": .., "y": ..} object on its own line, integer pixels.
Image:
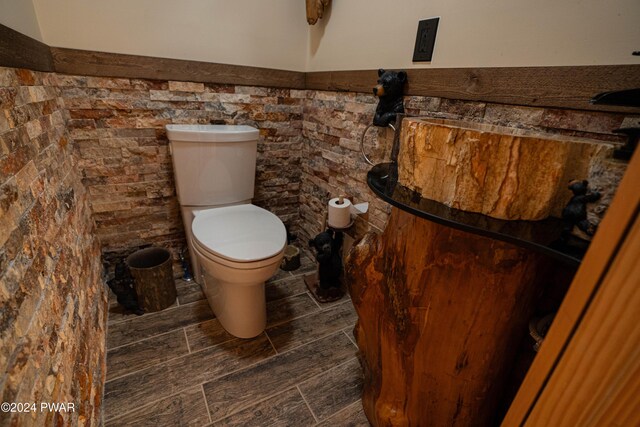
[
  {"x": 562, "y": 86},
  {"x": 20, "y": 51},
  {"x": 103, "y": 64}
]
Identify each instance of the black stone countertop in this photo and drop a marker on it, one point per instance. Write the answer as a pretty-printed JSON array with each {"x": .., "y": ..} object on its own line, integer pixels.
[{"x": 542, "y": 236}]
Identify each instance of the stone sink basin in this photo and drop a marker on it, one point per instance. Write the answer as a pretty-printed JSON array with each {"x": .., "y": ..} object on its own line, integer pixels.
[{"x": 502, "y": 172}]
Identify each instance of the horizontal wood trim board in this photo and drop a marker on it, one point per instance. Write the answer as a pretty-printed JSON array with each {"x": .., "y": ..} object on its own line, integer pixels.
[
  {"x": 566, "y": 87},
  {"x": 20, "y": 51},
  {"x": 90, "y": 63}
]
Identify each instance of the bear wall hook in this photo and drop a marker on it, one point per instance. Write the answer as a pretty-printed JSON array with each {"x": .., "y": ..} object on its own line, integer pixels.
[{"x": 389, "y": 91}]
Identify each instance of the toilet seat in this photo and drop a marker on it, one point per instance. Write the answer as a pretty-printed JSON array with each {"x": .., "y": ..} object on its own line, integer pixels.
[
  {"x": 251, "y": 265},
  {"x": 239, "y": 235}
]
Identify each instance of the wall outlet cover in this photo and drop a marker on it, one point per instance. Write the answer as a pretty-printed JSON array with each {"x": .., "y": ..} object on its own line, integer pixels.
[{"x": 425, "y": 40}]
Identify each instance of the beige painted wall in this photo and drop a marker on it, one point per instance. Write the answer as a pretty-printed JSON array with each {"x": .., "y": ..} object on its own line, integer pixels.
[
  {"x": 20, "y": 16},
  {"x": 354, "y": 34},
  {"x": 263, "y": 33},
  {"x": 368, "y": 34}
]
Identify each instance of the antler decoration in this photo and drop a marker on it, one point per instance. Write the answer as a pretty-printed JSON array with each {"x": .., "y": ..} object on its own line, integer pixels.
[{"x": 315, "y": 10}]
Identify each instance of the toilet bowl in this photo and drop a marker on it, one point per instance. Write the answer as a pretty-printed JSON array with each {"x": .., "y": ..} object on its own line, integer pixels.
[
  {"x": 237, "y": 249},
  {"x": 234, "y": 246}
]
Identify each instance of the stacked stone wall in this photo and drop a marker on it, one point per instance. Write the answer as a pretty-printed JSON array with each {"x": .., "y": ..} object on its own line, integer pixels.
[
  {"x": 118, "y": 125},
  {"x": 52, "y": 299}
]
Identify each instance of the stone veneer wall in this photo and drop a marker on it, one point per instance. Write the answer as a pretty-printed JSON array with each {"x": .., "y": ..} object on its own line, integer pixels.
[
  {"x": 308, "y": 149},
  {"x": 118, "y": 125},
  {"x": 332, "y": 163},
  {"x": 52, "y": 300}
]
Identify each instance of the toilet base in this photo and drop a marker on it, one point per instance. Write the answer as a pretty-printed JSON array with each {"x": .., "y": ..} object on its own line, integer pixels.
[
  {"x": 240, "y": 309},
  {"x": 235, "y": 291}
]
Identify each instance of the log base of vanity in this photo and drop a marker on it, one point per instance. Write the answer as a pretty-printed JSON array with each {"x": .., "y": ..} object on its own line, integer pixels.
[
  {"x": 441, "y": 315},
  {"x": 473, "y": 246}
]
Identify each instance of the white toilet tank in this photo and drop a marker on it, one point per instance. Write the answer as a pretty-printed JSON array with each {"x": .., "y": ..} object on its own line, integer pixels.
[{"x": 213, "y": 164}]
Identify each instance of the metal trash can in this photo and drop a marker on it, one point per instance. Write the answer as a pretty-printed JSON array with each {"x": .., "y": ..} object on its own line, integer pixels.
[{"x": 152, "y": 271}]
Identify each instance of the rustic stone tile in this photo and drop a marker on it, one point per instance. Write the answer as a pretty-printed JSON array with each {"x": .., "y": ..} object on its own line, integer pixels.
[
  {"x": 604, "y": 178},
  {"x": 298, "y": 94},
  {"x": 234, "y": 98},
  {"x": 352, "y": 416},
  {"x": 188, "y": 291},
  {"x": 311, "y": 327},
  {"x": 326, "y": 305},
  {"x": 69, "y": 81},
  {"x": 241, "y": 389},
  {"x": 334, "y": 390},
  {"x": 422, "y": 103},
  {"x": 510, "y": 115},
  {"x": 112, "y": 83},
  {"x": 142, "y": 354},
  {"x": 630, "y": 121},
  {"x": 53, "y": 304},
  {"x": 460, "y": 109},
  {"x": 187, "y": 408},
  {"x": 583, "y": 121},
  {"x": 350, "y": 332},
  {"x": 117, "y": 313},
  {"x": 285, "y": 409},
  {"x": 151, "y": 324},
  {"x": 8, "y": 77},
  {"x": 142, "y": 387},
  {"x": 285, "y": 309},
  {"x": 307, "y": 265},
  {"x": 252, "y": 90},
  {"x": 280, "y": 274},
  {"x": 206, "y": 334},
  {"x": 284, "y": 288},
  {"x": 186, "y": 87}
]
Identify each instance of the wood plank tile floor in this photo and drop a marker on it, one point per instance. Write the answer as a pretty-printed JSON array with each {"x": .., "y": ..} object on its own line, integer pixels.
[{"x": 179, "y": 367}]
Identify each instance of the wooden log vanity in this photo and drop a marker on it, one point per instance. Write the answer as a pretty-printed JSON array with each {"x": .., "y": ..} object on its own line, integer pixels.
[{"x": 445, "y": 294}]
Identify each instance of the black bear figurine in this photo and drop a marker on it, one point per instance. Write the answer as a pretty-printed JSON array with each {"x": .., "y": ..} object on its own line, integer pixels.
[
  {"x": 575, "y": 213},
  {"x": 122, "y": 286},
  {"x": 389, "y": 90},
  {"x": 329, "y": 259}
]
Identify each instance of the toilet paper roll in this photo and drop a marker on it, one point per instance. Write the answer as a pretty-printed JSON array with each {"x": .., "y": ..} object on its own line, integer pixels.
[{"x": 339, "y": 214}]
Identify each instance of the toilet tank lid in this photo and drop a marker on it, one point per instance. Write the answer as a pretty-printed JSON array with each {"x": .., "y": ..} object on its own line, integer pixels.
[{"x": 212, "y": 133}]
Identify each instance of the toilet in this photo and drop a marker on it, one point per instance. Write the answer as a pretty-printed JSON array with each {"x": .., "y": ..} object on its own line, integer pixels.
[{"x": 234, "y": 246}]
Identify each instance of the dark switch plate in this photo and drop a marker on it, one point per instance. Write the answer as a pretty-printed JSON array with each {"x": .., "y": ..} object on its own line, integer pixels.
[{"x": 425, "y": 40}]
